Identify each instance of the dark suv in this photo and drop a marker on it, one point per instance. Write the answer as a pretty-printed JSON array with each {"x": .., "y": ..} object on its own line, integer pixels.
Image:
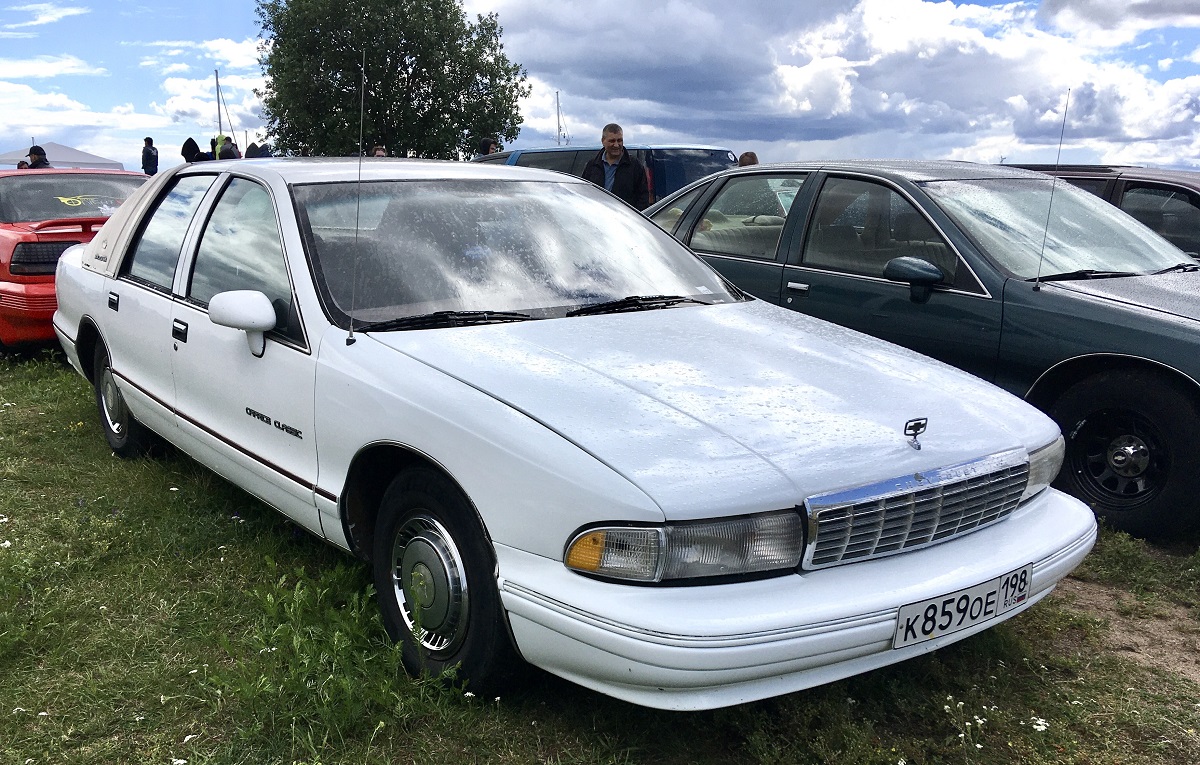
[
  {"x": 668, "y": 168},
  {"x": 1167, "y": 201}
]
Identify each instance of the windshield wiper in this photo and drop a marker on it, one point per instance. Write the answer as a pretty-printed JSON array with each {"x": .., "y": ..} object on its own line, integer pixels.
[
  {"x": 1083, "y": 273},
  {"x": 634, "y": 303},
  {"x": 443, "y": 319},
  {"x": 1180, "y": 268}
]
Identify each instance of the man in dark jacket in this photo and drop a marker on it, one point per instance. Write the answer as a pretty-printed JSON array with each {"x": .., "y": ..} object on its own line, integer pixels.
[
  {"x": 37, "y": 158},
  {"x": 149, "y": 157},
  {"x": 618, "y": 172}
]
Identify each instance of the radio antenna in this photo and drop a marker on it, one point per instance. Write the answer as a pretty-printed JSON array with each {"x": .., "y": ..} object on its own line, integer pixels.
[
  {"x": 1037, "y": 280},
  {"x": 362, "y": 99}
]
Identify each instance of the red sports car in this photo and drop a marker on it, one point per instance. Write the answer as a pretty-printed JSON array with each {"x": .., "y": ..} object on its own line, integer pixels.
[{"x": 42, "y": 213}]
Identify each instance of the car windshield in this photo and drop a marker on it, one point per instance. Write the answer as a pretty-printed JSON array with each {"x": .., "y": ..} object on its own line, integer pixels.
[
  {"x": 536, "y": 248},
  {"x": 1010, "y": 218},
  {"x": 40, "y": 196}
]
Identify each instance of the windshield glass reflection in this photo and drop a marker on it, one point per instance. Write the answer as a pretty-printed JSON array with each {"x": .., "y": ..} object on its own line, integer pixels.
[
  {"x": 533, "y": 247},
  {"x": 1011, "y": 217}
]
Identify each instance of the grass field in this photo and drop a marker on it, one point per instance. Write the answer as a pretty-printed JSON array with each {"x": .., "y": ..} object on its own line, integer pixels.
[{"x": 152, "y": 613}]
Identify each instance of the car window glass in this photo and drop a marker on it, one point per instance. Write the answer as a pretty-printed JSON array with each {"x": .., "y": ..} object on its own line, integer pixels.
[
  {"x": 1091, "y": 185},
  {"x": 540, "y": 248},
  {"x": 54, "y": 196},
  {"x": 1030, "y": 227},
  {"x": 240, "y": 249},
  {"x": 858, "y": 226},
  {"x": 745, "y": 219},
  {"x": 675, "y": 168},
  {"x": 155, "y": 254},
  {"x": 668, "y": 217},
  {"x": 562, "y": 161},
  {"x": 1172, "y": 213}
]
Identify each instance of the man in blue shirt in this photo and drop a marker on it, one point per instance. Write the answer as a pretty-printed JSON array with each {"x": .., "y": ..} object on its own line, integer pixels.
[{"x": 618, "y": 172}]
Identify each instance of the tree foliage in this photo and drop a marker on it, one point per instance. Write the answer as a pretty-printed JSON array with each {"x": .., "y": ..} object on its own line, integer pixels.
[{"x": 435, "y": 83}]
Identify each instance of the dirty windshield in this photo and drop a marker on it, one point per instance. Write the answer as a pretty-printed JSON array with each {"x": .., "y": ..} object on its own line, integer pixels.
[
  {"x": 38, "y": 196},
  {"x": 394, "y": 249}
]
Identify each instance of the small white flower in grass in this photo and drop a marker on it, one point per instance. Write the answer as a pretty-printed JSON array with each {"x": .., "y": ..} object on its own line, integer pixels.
[
  {"x": 194, "y": 671},
  {"x": 103, "y": 608},
  {"x": 469, "y": 695},
  {"x": 3, "y": 519},
  {"x": 979, "y": 746},
  {"x": 43, "y": 714},
  {"x": 19, "y": 710},
  {"x": 1039, "y": 724},
  {"x": 139, "y": 718},
  {"x": 189, "y": 737},
  {"x": 6, "y": 544},
  {"x": 174, "y": 489},
  {"x": 177, "y": 761}
]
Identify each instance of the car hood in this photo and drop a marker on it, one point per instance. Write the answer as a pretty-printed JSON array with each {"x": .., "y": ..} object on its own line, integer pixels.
[
  {"x": 1176, "y": 294},
  {"x": 735, "y": 408}
]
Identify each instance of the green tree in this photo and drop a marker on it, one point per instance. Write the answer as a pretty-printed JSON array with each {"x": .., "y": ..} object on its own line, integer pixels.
[{"x": 435, "y": 83}]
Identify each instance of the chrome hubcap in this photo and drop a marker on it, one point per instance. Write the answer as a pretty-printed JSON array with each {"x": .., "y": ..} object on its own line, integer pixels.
[{"x": 429, "y": 584}]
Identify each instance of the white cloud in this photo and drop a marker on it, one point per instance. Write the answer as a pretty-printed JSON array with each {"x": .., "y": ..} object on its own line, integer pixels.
[
  {"x": 46, "y": 67},
  {"x": 1111, "y": 23},
  {"x": 44, "y": 13}
]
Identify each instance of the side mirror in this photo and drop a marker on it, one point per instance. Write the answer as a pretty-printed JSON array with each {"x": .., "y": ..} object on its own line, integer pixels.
[
  {"x": 920, "y": 274},
  {"x": 248, "y": 310}
]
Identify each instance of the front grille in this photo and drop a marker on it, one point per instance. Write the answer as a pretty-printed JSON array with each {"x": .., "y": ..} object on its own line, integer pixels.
[
  {"x": 37, "y": 258},
  {"x": 913, "y": 511}
]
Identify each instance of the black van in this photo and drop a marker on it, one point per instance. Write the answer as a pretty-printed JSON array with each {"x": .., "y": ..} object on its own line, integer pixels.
[{"x": 668, "y": 168}]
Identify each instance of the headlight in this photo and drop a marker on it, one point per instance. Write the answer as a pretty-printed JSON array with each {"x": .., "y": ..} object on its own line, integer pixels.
[
  {"x": 1043, "y": 466},
  {"x": 747, "y": 545}
]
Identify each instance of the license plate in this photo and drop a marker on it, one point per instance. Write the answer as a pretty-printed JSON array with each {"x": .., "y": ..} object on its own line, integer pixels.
[{"x": 948, "y": 614}]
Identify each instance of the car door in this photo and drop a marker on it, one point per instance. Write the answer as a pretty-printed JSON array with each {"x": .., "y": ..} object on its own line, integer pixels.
[
  {"x": 136, "y": 317},
  {"x": 738, "y": 230},
  {"x": 857, "y": 225},
  {"x": 247, "y": 414}
]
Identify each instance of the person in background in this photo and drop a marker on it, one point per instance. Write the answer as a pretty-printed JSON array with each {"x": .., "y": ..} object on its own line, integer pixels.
[
  {"x": 488, "y": 146},
  {"x": 618, "y": 172},
  {"x": 149, "y": 157},
  {"x": 37, "y": 158},
  {"x": 22, "y": 165},
  {"x": 747, "y": 158},
  {"x": 379, "y": 151}
]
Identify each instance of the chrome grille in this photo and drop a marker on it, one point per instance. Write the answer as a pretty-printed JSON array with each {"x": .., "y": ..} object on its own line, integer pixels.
[{"x": 913, "y": 511}]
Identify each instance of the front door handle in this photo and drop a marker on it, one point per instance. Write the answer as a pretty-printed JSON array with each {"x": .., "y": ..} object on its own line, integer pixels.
[
  {"x": 798, "y": 287},
  {"x": 179, "y": 330},
  {"x": 114, "y": 301}
]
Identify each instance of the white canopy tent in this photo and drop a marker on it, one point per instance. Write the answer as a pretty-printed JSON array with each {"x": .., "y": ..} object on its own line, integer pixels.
[{"x": 62, "y": 156}]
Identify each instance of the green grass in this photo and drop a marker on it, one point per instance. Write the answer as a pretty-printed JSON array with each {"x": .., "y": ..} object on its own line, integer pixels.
[{"x": 150, "y": 612}]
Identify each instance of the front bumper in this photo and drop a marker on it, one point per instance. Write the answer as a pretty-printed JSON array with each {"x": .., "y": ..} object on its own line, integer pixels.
[{"x": 709, "y": 646}]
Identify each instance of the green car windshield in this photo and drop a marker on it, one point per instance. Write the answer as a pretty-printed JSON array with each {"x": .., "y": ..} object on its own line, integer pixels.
[{"x": 1014, "y": 222}]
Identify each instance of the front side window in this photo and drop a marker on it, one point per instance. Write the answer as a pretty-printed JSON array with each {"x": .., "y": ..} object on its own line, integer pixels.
[
  {"x": 859, "y": 226},
  {"x": 746, "y": 217},
  {"x": 1034, "y": 228},
  {"x": 240, "y": 249},
  {"x": 155, "y": 253},
  {"x": 539, "y": 248}
]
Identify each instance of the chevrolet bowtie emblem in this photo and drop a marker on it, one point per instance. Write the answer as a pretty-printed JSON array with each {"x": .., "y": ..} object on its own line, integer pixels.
[{"x": 914, "y": 428}]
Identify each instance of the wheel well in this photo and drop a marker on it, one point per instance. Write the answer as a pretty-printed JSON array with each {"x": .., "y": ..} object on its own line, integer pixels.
[
  {"x": 85, "y": 348},
  {"x": 1055, "y": 381},
  {"x": 369, "y": 476}
]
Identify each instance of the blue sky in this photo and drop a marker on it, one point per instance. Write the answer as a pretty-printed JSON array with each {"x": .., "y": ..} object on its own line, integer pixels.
[{"x": 981, "y": 81}]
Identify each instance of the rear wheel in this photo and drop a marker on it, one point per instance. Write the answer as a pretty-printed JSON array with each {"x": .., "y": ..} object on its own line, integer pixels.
[
  {"x": 126, "y": 436},
  {"x": 1130, "y": 451},
  {"x": 434, "y": 570}
]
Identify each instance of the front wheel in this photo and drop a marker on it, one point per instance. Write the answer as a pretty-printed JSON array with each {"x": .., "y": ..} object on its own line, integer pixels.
[
  {"x": 126, "y": 436},
  {"x": 434, "y": 570},
  {"x": 1131, "y": 453}
]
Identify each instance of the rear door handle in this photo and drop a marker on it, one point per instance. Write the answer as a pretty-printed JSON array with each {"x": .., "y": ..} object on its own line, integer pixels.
[
  {"x": 179, "y": 330},
  {"x": 798, "y": 287}
]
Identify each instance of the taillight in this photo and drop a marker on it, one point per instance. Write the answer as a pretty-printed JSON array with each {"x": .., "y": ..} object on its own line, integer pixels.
[{"x": 37, "y": 258}]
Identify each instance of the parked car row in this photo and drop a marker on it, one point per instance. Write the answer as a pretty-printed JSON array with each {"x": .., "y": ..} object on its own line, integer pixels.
[
  {"x": 561, "y": 438},
  {"x": 1032, "y": 284}
]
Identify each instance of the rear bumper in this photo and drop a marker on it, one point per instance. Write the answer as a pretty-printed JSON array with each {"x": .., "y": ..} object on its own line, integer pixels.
[
  {"x": 25, "y": 312},
  {"x": 704, "y": 647}
]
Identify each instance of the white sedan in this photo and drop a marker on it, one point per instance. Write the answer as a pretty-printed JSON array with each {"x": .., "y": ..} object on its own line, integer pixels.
[{"x": 556, "y": 434}]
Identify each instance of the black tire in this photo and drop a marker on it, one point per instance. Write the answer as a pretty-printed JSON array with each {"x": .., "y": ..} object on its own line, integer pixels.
[
  {"x": 126, "y": 436},
  {"x": 431, "y": 550},
  {"x": 1131, "y": 451}
]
